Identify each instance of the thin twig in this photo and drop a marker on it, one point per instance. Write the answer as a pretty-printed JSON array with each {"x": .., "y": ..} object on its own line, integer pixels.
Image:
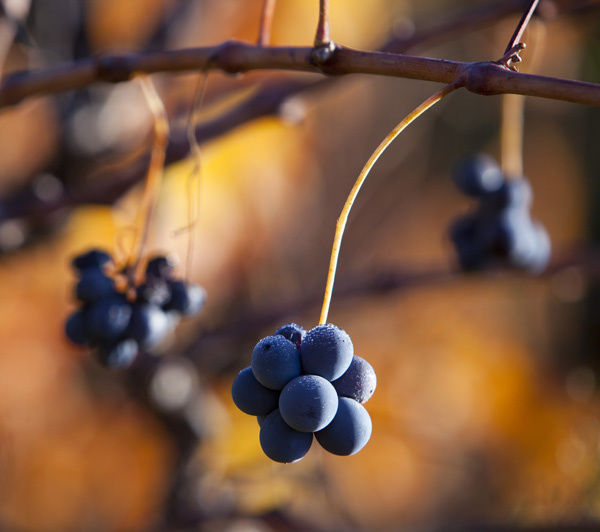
[
  {"x": 520, "y": 29},
  {"x": 322, "y": 37},
  {"x": 266, "y": 22},
  {"x": 155, "y": 170}
]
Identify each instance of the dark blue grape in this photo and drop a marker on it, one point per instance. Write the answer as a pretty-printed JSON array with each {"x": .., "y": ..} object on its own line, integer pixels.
[
  {"x": 349, "y": 431},
  {"x": 478, "y": 175},
  {"x": 251, "y": 397},
  {"x": 94, "y": 285},
  {"x": 521, "y": 241},
  {"x": 540, "y": 256},
  {"x": 308, "y": 403},
  {"x": 359, "y": 381},
  {"x": 327, "y": 351},
  {"x": 148, "y": 325},
  {"x": 93, "y": 259},
  {"x": 186, "y": 298},
  {"x": 471, "y": 248},
  {"x": 282, "y": 443},
  {"x": 275, "y": 362},
  {"x": 107, "y": 320},
  {"x": 161, "y": 267},
  {"x": 513, "y": 194},
  {"x": 155, "y": 291},
  {"x": 294, "y": 333},
  {"x": 117, "y": 355},
  {"x": 75, "y": 328}
]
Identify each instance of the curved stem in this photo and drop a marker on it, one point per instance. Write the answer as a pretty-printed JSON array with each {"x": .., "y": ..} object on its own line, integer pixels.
[
  {"x": 155, "y": 169},
  {"x": 194, "y": 198},
  {"x": 343, "y": 218}
]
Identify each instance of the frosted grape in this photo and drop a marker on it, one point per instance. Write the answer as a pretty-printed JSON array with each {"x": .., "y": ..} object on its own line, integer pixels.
[
  {"x": 359, "y": 381},
  {"x": 251, "y": 397},
  {"x": 275, "y": 362},
  {"x": 308, "y": 403},
  {"x": 327, "y": 351},
  {"x": 282, "y": 443},
  {"x": 349, "y": 431}
]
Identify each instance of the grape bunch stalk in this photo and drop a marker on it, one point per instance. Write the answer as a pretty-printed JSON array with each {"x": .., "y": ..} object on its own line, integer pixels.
[
  {"x": 302, "y": 384},
  {"x": 499, "y": 232},
  {"x": 118, "y": 318}
]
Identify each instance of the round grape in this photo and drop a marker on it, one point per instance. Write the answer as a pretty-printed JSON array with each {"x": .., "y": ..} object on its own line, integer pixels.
[
  {"x": 308, "y": 403},
  {"x": 251, "y": 397},
  {"x": 359, "y": 381},
  {"x": 94, "y": 285},
  {"x": 294, "y": 333},
  {"x": 148, "y": 325},
  {"x": 478, "y": 175},
  {"x": 349, "y": 431},
  {"x": 327, "y": 351},
  {"x": 282, "y": 443},
  {"x": 514, "y": 193},
  {"x": 186, "y": 298},
  {"x": 75, "y": 328},
  {"x": 107, "y": 320},
  {"x": 155, "y": 291},
  {"x": 117, "y": 355},
  {"x": 466, "y": 234},
  {"x": 94, "y": 259},
  {"x": 161, "y": 267},
  {"x": 275, "y": 362},
  {"x": 540, "y": 257}
]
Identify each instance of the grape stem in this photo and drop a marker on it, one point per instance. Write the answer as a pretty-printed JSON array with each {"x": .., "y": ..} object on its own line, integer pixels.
[
  {"x": 266, "y": 22},
  {"x": 322, "y": 37},
  {"x": 512, "y": 121},
  {"x": 155, "y": 170},
  {"x": 194, "y": 198},
  {"x": 343, "y": 218}
]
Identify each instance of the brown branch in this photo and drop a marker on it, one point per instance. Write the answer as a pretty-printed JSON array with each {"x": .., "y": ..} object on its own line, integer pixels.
[
  {"x": 237, "y": 57},
  {"x": 394, "y": 279}
]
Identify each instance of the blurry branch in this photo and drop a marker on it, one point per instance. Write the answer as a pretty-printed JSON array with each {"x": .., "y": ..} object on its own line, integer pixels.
[
  {"x": 583, "y": 263},
  {"x": 487, "y": 78}
]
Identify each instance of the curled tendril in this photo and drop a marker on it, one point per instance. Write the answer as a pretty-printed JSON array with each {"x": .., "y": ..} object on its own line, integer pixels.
[{"x": 512, "y": 56}]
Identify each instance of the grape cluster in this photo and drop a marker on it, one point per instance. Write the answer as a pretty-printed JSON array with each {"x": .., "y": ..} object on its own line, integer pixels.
[
  {"x": 500, "y": 230},
  {"x": 303, "y": 383},
  {"x": 120, "y": 319}
]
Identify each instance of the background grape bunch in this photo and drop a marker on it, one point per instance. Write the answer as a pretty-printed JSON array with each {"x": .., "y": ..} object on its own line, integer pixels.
[
  {"x": 500, "y": 230},
  {"x": 301, "y": 384},
  {"x": 117, "y": 318}
]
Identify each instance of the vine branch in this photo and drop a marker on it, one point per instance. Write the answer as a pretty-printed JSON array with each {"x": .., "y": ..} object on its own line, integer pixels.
[{"x": 235, "y": 57}]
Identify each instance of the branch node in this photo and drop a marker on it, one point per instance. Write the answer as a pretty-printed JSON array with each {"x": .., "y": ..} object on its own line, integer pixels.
[
  {"x": 114, "y": 69},
  {"x": 230, "y": 57},
  {"x": 323, "y": 53}
]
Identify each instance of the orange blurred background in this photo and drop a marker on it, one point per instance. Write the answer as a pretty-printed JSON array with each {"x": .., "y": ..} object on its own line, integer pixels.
[{"x": 487, "y": 409}]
